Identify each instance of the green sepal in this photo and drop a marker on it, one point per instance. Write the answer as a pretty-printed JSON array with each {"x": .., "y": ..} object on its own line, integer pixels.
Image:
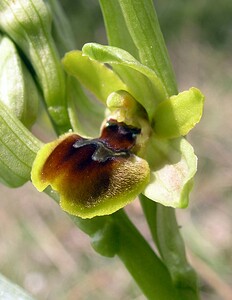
[
  {"x": 86, "y": 114},
  {"x": 95, "y": 76},
  {"x": 17, "y": 88},
  {"x": 142, "y": 82},
  {"x": 18, "y": 148},
  {"x": 173, "y": 165},
  {"x": 179, "y": 114}
]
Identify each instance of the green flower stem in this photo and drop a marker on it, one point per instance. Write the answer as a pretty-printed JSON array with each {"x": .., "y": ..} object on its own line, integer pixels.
[
  {"x": 165, "y": 232},
  {"x": 141, "y": 261},
  {"x": 143, "y": 25}
]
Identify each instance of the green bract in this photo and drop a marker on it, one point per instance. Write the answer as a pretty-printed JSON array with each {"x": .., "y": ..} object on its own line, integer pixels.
[{"x": 179, "y": 114}]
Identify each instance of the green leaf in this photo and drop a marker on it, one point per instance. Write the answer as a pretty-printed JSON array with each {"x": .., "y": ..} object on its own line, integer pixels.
[
  {"x": 173, "y": 165},
  {"x": 18, "y": 148},
  {"x": 10, "y": 291},
  {"x": 95, "y": 76},
  {"x": 179, "y": 114},
  {"x": 142, "y": 82}
]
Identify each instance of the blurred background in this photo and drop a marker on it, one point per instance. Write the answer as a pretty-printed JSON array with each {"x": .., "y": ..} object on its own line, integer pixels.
[{"x": 40, "y": 248}]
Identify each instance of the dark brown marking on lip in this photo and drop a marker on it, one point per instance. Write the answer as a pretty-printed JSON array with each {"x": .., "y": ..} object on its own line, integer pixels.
[
  {"x": 59, "y": 157},
  {"x": 82, "y": 175},
  {"x": 119, "y": 136},
  {"x": 102, "y": 152},
  {"x": 85, "y": 167}
]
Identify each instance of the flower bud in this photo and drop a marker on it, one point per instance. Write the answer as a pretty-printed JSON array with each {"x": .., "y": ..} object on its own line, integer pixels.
[
  {"x": 17, "y": 88},
  {"x": 28, "y": 23}
]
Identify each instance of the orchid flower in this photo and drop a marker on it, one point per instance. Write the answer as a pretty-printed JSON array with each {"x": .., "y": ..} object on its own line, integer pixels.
[
  {"x": 141, "y": 148},
  {"x": 129, "y": 143}
]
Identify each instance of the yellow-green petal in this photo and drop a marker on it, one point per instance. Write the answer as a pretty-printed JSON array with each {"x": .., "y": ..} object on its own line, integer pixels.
[
  {"x": 173, "y": 165},
  {"x": 179, "y": 114},
  {"x": 95, "y": 76}
]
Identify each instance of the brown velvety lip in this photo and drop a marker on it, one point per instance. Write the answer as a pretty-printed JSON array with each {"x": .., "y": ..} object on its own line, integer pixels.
[{"x": 87, "y": 165}]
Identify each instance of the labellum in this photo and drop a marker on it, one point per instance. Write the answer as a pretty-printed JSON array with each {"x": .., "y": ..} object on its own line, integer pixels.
[{"x": 93, "y": 176}]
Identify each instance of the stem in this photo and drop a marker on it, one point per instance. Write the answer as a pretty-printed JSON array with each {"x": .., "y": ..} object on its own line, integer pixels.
[
  {"x": 165, "y": 233},
  {"x": 141, "y": 261}
]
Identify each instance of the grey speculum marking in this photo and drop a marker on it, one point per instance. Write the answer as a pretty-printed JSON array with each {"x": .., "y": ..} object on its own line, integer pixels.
[{"x": 102, "y": 152}]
